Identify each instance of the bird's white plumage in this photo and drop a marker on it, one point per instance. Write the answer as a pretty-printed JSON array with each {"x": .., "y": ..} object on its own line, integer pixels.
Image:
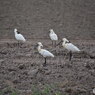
[
  {"x": 52, "y": 35},
  {"x": 43, "y": 52},
  {"x": 94, "y": 91},
  {"x": 19, "y": 37},
  {"x": 69, "y": 46},
  {"x": 46, "y": 53}
]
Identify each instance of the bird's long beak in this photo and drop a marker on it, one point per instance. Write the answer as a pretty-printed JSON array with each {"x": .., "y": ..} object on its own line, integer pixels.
[{"x": 59, "y": 43}]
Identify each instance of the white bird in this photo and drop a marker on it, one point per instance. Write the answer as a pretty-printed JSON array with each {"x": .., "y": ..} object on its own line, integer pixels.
[
  {"x": 43, "y": 52},
  {"x": 94, "y": 91},
  {"x": 53, "y": 36},
  {"x": 69, "y": 46},
  {"x": 18, "y": 36}
]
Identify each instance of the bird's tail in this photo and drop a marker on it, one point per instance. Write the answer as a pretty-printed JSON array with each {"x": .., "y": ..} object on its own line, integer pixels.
[
  {"x": 24, "y": 40},
  {"x": 52, "y": 55}
]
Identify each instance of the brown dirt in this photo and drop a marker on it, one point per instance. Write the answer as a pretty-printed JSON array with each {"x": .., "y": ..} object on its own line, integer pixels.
[{"x": 21, "y": 67}]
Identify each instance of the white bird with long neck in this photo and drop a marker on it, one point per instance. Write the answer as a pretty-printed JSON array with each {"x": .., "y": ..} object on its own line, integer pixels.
[
  {"x": 69, "y": 46},
  {"x": 18, "y": 36},
  {"x": 43, "y": 52},
  {"x": 53, "y": 36}
]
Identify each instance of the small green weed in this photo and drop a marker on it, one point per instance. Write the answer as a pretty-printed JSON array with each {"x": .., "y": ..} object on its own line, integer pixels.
[{"x": 46, "y": 90}]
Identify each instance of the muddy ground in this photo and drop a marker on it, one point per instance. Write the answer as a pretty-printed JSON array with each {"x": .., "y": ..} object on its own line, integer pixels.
[{"x": 21, "y": 67}]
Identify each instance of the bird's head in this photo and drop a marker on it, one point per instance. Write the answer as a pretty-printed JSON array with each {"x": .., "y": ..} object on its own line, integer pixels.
[
  {"x": 65, "y": 40},
  {"x": 40, "y": 44},
  {"x": 15, "y": 30},
  {"x": 51, "y": 31}
]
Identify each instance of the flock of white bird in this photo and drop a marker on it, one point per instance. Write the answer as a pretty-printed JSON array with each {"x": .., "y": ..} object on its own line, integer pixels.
[{"x": 53, "y": 36}]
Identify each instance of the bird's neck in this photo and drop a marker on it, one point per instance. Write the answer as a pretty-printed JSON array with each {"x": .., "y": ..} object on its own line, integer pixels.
[
  {"x": 52, "y": 33},
  {"x": 64, "y": 43},
  {"x": 39, "y": 48},
  {"x": 15, "y": 32}
]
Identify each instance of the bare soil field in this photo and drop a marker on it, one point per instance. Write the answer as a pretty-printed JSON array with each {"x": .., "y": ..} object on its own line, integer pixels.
[{"x": 21, "y": 67}]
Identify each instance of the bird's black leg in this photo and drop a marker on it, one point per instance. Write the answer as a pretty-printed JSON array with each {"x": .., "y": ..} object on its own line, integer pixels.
[
  {"x": 18, "y": 43},
  {"x": 52, "y": 43},
  {"x": 70, "y": 56},
  {"x": 55, "y": 43},
  {"x": 44, "y": 62}
]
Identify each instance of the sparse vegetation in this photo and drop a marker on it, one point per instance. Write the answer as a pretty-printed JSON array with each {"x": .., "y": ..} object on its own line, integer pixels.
[{"x": 46, "y": 90}]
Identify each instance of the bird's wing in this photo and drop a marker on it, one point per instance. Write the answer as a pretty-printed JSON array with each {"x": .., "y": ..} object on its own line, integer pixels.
[
  {"x": 54, "y": 37},
  {"x": 46, "y": 53},
  {"x": 21, "y": 37},
  {"x": 72, "y": 47}
]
